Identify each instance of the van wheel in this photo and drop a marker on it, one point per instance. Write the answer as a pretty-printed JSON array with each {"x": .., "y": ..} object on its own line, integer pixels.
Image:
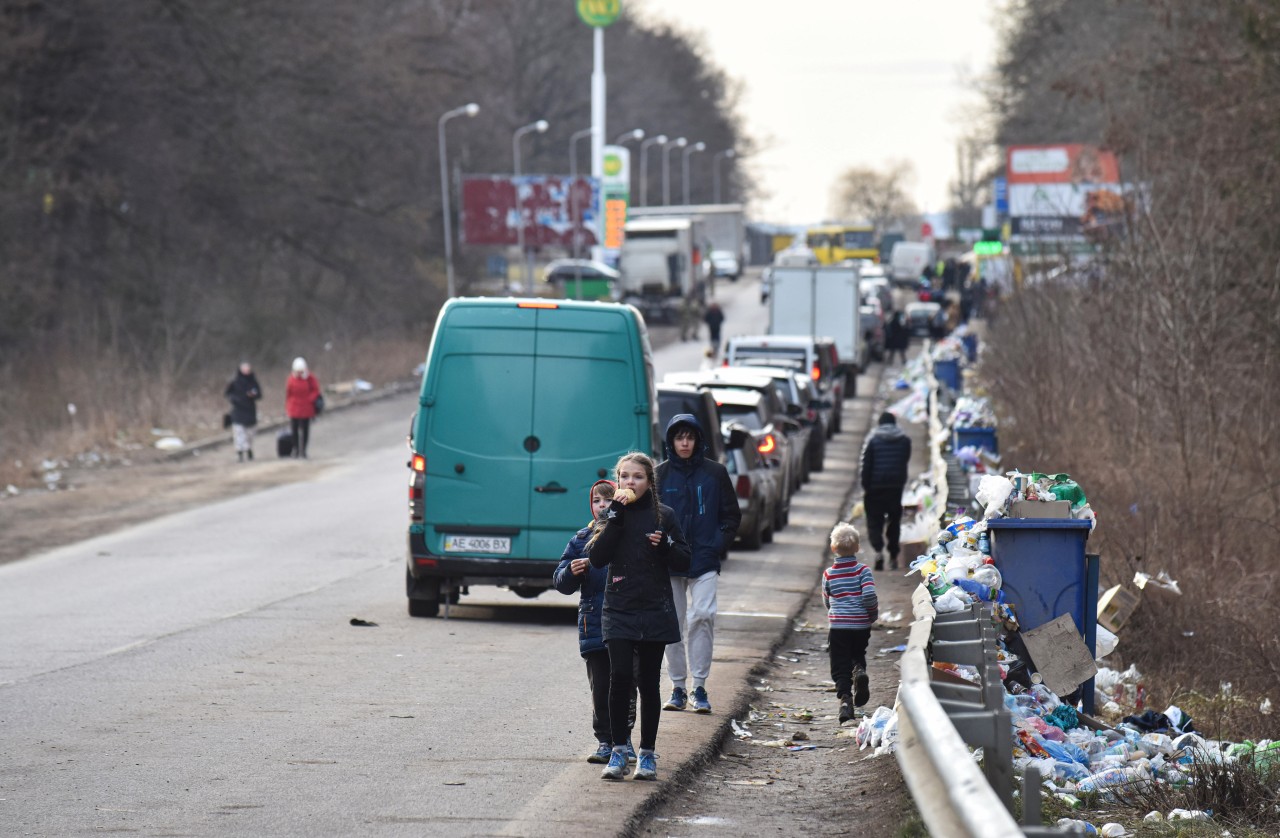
[
  {"x": 424, "y": 607},
  {"x": 752, "y": 541},
  {"x": 424, "y": 596},
  {"x": 767, "y": 535},
  {"x": 527, "y": 592}
]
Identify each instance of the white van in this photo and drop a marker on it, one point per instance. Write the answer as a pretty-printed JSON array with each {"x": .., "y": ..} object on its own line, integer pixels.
[{"x": 908, "y": 261}]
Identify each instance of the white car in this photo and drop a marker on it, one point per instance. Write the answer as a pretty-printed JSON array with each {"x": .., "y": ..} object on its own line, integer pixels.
[{"x": 725, "y": 263}]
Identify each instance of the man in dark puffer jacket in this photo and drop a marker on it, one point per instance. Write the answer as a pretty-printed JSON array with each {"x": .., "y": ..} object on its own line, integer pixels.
[
  {"x": 885, "y": 457},
  {"x": 702, "y": 496}
]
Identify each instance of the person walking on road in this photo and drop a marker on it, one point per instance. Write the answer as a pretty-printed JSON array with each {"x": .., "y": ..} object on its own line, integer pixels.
[
  {"x": 641, "y": 544},
  {"x": 573, "y": 573},
  {"x": 300, "y": 394},
  {"x": 883, "y": 473},
  {"x": 243, "y": 392},
  {"x": 714, "y": 318},
  {"x": 849, "y": 593},
  {"x": 706, "y": 505},
  {"x": 896, "y": 338}
]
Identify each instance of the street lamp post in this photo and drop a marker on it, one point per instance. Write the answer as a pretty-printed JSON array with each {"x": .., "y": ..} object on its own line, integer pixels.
[
  {"x": 573, "y": 202},
  {"x": 715, "y": 170},
  {"x": 685, "y": 154},
  {"x": 541, "y": 127},
  {"x": 678, "y": 142},
  {"x": 469, "y": 110},
  {"x": 661, "y": 139},
  {"x": 637, "y": 134}
]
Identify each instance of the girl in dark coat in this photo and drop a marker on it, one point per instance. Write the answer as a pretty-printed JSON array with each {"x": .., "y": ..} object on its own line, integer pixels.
[
  {"x": 243, "y": 392},
  {"x": 640, "y": 544}
]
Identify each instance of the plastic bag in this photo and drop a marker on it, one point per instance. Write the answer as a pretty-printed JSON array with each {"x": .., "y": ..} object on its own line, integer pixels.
[
  {"x": 993, "y": 492},
  {"x": 1106, "y": 643}
]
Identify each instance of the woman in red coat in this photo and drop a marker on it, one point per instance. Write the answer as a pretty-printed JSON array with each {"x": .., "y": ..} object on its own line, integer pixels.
[{"x": 300, "y": 394}]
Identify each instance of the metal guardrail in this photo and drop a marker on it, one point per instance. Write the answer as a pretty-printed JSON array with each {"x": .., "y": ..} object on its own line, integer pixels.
[{"x": 937, "y": 722}]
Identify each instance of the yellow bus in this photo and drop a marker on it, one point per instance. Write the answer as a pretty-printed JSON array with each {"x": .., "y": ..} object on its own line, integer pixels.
[{"x": 834, "y": 243}]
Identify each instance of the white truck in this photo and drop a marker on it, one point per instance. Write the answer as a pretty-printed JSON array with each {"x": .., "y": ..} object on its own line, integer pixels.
[
  {"x": 821, "y": 301},
  {"x": 663, "y": 260},
  {"x": 908, "y": 260},
  {"x": 724, "y": 225}
]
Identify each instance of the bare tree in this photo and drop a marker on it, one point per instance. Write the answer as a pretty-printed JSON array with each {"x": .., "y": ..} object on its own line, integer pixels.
[{"x": 876, "y": 195}]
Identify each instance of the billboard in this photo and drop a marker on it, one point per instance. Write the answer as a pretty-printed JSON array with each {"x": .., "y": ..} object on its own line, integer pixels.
[
  {"x": 1052, "y": 188},
  {"x": 551, "y": 207},
  {"x": 616, "y": 188}
]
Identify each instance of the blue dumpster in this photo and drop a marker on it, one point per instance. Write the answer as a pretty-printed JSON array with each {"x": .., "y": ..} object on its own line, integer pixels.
[
  {"x": 970, "y": 344},
  {"x": 977, "y": 437},
  {"x": 1047, "y": 574},
  {"x": 948, "y": 372}
]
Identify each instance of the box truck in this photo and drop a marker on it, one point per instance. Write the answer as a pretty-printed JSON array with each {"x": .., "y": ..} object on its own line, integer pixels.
[{"x": 821, "y": 302}]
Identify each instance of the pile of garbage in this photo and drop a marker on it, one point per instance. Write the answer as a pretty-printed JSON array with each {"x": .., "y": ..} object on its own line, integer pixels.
[{"x": 1077, "y": 755}]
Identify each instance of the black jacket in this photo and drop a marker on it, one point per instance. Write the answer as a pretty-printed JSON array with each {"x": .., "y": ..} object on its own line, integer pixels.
[
  {"x": 638, "y": 604},
  {"x": 243, "y": 392},
  {"x": 702, "y": 495},
  {"x": 885, "y": 457}
]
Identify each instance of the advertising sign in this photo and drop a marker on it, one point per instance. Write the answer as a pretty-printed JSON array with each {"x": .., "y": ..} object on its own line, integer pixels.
[
  {"x": 551, "y": 206},
  {"x": 1051, "y": 188}
]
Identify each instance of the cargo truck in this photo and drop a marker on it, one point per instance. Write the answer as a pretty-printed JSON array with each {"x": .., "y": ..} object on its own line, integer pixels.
[
  {"x": 662, "y": 261},
  {"x": 821, "y": 302},
  {"x": 724, "y": 225}
]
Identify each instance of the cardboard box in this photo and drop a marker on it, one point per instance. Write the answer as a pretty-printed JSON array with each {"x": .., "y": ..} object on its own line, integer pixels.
[
  {"x": 1040, "y": 509},
  {"x": 1115, "y": 606}
]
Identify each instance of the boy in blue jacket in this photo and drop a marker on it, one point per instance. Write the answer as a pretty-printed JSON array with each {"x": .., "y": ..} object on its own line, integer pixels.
[
  {"x": 573, "y": 573},
  {"x": 701, "y": 494}
]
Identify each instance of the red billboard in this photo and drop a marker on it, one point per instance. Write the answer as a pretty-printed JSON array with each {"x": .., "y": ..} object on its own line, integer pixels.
[{"x": 551, "y": 206}]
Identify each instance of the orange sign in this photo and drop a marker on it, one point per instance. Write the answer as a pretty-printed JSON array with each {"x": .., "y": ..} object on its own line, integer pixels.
[{"x": 615, "y": 216}]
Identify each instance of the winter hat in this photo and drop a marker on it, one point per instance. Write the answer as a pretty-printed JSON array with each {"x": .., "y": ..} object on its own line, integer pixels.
[
  {"x": 888, "y": 418},
  {"x": 299, "y": 364}
]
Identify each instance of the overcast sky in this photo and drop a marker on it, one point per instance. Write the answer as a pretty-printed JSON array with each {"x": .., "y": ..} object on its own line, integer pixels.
[{"x": 831, "y": 84}]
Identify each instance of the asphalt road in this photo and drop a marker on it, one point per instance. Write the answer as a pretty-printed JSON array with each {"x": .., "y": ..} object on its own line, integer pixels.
[{"x": 198, "y": 675}]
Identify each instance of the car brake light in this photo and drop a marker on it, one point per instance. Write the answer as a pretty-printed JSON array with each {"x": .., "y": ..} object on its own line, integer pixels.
[
  {"x": 816, "y": 373},
  {"x": 811, "y": 415},
  {"x": 744, "y": 486},
  {"x": 537, "y": 305},
  {"x": 767, "y": 444},
  {"x": 419, "y": 463}
]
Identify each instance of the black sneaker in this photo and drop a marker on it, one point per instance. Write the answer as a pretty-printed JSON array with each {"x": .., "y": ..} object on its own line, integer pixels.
[
  {"x": 861, "y": 688},
  {"x": 846, "y": 709}
]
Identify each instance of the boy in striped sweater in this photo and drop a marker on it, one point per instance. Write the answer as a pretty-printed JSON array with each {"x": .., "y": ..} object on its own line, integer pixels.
[{"x": 849, "y": 592}]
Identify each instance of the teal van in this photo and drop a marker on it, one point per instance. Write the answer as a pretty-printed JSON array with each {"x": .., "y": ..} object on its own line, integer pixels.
[{"x": 524, "y": 404}]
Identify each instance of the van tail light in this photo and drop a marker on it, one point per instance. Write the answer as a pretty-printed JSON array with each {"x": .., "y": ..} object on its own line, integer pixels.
[
  {"x": 744, "y": 486},
  {"x": 816, "y": 373},
  {"x": 811, "y": 415},
  {"x": 767, "y": 445},
  {"x": 537, "y": 305},
  {"x": 418, "y": 489},
  {"x": 725, "y": 362}
]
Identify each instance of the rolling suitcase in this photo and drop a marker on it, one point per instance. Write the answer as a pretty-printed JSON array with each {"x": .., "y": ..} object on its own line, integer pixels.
[{"x": 284, "y": 443}]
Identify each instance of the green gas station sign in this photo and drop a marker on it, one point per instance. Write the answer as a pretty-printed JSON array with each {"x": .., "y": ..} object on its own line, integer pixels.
[{"x": 599, "y": 13}]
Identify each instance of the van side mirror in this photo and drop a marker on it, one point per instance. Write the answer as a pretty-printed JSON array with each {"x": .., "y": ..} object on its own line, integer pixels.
[{"x": 794, "y": 410}]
